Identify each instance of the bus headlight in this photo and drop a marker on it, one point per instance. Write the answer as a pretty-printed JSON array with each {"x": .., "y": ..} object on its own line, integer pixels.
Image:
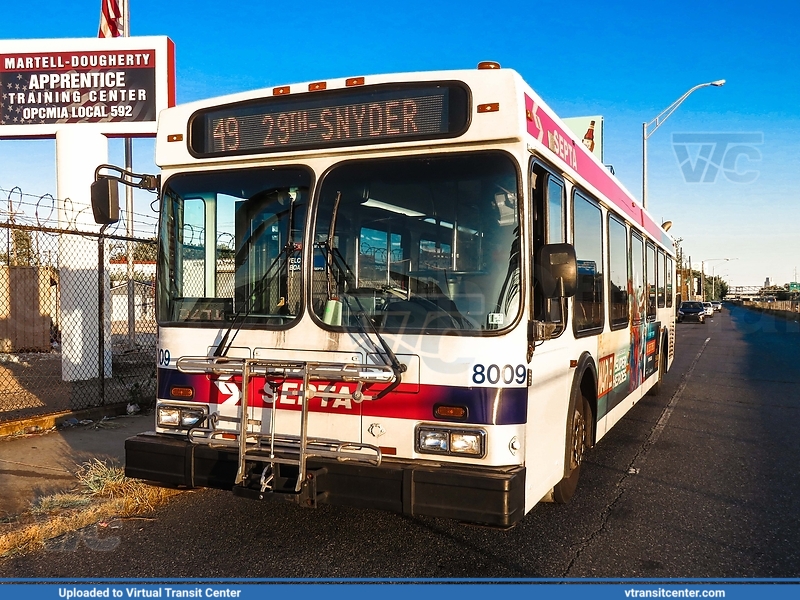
[
  {"x": 183, "y": 417},
  {"x": 465, "y": 443},
  {"x": 453, "y": 442},
  {"x": 190, "y": 417},
  {"x": 431, "y": 440},
  {"x": 168, "y": 417}
]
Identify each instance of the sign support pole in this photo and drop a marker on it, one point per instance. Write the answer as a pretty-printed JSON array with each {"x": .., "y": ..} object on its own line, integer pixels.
[
  {"x": 126, "y": 32},
  {"x": 79, "y": 149}
]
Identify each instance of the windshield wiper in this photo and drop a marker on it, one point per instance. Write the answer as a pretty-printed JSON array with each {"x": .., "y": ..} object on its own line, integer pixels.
[
  {"x": 510, "y": 287},
  {"x": 389, "y": 357}
]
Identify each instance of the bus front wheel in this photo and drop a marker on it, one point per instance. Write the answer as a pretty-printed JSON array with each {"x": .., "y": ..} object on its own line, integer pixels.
[{"x": 578, "y": 442}]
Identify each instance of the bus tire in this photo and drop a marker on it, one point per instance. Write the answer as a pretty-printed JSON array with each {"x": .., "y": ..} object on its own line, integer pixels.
[{"x": 578, "y": 443}]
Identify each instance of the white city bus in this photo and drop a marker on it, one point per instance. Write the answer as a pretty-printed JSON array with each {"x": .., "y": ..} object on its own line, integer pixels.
[{"x": 414, "y": 292}]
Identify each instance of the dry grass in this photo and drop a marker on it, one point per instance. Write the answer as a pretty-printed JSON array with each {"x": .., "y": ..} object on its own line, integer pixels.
[{"x": 105, "y": 493}]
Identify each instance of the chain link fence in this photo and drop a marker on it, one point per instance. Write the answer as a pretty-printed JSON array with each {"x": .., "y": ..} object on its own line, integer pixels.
[{"x": 77, "y": 324}]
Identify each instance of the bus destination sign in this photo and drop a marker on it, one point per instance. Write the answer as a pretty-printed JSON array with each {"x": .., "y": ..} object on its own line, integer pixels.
[{"x": 335, "y": 118}]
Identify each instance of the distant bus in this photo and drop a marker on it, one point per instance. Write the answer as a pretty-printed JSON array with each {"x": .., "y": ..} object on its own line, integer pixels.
[{"x": 413, "y": 292}]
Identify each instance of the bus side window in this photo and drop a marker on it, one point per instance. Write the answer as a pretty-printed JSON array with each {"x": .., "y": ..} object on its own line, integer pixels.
[
  {"x": 555, "y": 211},
  {"x": 661, "y": 278},
  {"x": 669, "y": 291},
  {"x": 373, "y": 254},
  {"x": 650, "y": 265},
  {"x": 192, "y": 254},
  {"x": 549, "y": 226},
  {"x": 618, "y": 273},
  {"x": 638, "y": 300},
  {"x": 587, "y": 222}
]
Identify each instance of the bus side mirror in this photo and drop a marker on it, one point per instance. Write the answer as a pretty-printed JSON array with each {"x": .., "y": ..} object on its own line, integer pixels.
[
  {"x": 557, "y": 270},
  {"x": 105, "y": 200}
]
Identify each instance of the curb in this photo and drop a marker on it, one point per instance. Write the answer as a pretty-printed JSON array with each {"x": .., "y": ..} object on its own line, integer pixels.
[{"x": 40, "y": 424}]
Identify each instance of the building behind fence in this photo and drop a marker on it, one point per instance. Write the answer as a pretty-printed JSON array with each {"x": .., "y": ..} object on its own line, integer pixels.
[{"x": 39, "y": 374}]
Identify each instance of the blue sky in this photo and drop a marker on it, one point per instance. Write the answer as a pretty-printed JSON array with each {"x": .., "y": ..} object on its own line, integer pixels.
[{"x": 626, "y": 61}]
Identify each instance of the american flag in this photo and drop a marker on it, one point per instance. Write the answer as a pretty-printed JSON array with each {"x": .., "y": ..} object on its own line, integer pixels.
[{"x": 111, "y": 18}]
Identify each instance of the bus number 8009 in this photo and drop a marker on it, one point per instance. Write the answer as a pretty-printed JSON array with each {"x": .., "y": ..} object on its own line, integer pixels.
[{"x": 494, "y": 374}]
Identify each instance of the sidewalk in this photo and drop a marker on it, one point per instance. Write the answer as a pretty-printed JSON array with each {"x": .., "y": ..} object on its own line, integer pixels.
[{"x": 36, "y": 465}]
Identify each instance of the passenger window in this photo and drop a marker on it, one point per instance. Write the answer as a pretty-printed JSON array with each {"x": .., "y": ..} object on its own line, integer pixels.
[
  {"x": 618, "y": 275},
  {"x": 588, "y": 240},
  {"x": 549, "y": 227},
  {"x": 670, "y": 292},
  {"x": 651, "y": 281},
  {"x": 555, "y": 211},
  {"x": 193, "y": 252},
  {"x": 638, "y": 299},
  {"x": 662, "y": 268}
]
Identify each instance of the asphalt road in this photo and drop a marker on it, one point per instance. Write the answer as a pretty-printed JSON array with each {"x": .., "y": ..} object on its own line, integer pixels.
[{"x": 701, "y": 481}]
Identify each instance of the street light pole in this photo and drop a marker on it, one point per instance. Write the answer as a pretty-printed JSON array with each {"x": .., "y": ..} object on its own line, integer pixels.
[
  {"x": 713, "y": 282},
  {"x": 657, "y": 122},
  {"x": 702, "y": 281}
]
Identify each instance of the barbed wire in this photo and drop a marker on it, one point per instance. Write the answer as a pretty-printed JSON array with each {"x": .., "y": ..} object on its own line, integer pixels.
[
  {"x": 194, "y": 235},
  {"x": 48, "y": 211}
]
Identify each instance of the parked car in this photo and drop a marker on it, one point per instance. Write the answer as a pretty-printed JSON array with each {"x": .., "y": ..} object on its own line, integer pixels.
[
  {"x": 717, "y": 305},
  {"x": 691, "y": 311},
  {"x": 709, "y": 308}
]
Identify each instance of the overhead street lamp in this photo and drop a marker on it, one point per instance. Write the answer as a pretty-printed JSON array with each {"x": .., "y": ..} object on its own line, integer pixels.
[
  {"x": 649, "y": 129},
  {"x": 703, "y": 275}
]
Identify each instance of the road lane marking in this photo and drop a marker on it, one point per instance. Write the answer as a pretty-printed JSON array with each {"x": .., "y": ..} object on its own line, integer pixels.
[
  {"x": 662, "y": 422},
  {"x": 639, "y": 459}
]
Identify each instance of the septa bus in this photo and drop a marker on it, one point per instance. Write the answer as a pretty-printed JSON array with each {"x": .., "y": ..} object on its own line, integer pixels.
[{"x": 412, "y": 292}]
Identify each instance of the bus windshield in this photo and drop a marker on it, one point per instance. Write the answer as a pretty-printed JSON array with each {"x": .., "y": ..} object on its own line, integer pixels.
[
  {"x": 428, "y": 244},
  {"x": 231, "y": 243}
]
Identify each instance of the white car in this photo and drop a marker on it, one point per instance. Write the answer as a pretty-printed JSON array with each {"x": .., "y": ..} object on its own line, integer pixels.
[
  {"x": 717, "y": 305},
  {"x": 709, "y": 308}
]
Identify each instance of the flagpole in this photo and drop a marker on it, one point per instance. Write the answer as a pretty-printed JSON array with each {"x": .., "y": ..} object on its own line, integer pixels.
[{"x": 126, "y": 32}]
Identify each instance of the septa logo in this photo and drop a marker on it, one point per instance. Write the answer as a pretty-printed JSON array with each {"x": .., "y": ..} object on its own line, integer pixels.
[{"x": 227, "y": 387}]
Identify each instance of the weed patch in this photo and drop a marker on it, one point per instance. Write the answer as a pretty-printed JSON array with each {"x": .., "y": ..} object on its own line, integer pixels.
[{"x": 104, "y": 493}]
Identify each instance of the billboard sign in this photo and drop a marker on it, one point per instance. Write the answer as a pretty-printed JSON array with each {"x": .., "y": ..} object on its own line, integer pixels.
[
  {"x": 590, "y": 131},
  {"x": 119, "y": 85}
]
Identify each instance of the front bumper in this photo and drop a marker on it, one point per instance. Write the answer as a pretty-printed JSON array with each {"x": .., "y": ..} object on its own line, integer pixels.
[
  {"x": 490, "y": 496},
  {"x": 692, "y": 317}
]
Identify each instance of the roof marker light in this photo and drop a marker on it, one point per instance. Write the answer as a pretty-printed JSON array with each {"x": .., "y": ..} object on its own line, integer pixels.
[
  {"x": 317, "y": 86},
  {"x": 493, "y": 107},
  {"x": 281, "y": 91},
  {"x": 488, "y": 64},
  {"x": 354, "y": 81}
]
